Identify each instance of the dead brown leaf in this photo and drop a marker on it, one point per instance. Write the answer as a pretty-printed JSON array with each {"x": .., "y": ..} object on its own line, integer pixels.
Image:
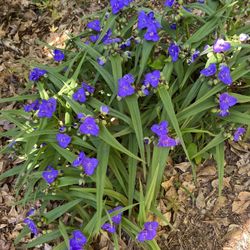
[{"x": 241, "y": 203}]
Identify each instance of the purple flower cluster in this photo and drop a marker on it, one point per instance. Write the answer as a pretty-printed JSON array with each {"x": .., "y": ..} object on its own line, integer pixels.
[
  {"x": 58, "y": 55},
  {"x": 118, "y": 5},
  {"x": 149, "y": 231},
  {"x": 47, "y": 108},
  {"x": 116, "y": 219},
  {"x": 50, "y": 174},
  {"x": 36, "y": 74},
  {"x": 148, "y": 21},
  {"x": 238, "y": 133},
  {"x": 77, "y": 241},
  {"x": 94, "y": 25},
  {"x": 34, "y": 106},
  {"x": 88, "y": 164},
  {"x": 63, "y": 140},
  {"x": 226, "y": 101},
  {"x": 152, "y": 79},
  {"x": 31, "y": 225},
  {"x": 89, "y": 126},
  {"x": 80, "y": 94},
  {"x": 169, "y": 3},
  {"x": 161, "y": 130},
  {"x": 223, "y": 74},
  {"x": 174, "y": 51},
  {"x": 221, "y": 46},
  {"x": 125, "y": 87}
]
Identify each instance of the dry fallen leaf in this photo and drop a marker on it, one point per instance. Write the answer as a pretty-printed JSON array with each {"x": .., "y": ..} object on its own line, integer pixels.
[
  {"x": 220, "y": 203},
  {"x": 200, "y": 200},
  {"x": 241, "y": 203},
  {"x": 183, "y": 166},
  {"x": 167, "y": 184}
]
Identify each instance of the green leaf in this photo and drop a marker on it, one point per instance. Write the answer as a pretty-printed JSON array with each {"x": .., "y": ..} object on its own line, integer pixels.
[
  {"x": 70, "y": 157},
  {"x": 109, "y": 139},
  {"x": 219, "y": 157},
  {"x": 19, "y": 98},
  {"x": 169, "y": 108},
  {"x": 58, "y": 211},
  {"x": 204, "y": 31},
  {"x": 213, "y": 143},
  {"x": 63, "y": 231},
  {"x": 132, "y": 103},
  {"x": 101, "y": 172},
  {"x": 146, "y": 50},
  {"x": 44, "y": 238}
]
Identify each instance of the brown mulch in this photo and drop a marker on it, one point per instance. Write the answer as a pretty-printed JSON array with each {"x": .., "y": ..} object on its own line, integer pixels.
[{"x": 201, "y": 220}]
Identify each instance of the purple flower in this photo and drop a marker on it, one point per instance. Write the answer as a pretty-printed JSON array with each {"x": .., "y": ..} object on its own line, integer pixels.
[
  {"x": 79, "y": 95},
  {"x": 47, "y": 108},
  {"x": 94, "y": 38},
  {"x": 118, "y": 5},
  {"x": 145, "y": 91},
  {"x": 224, "y": 75},
  {"x": 89, "y": 165},
  {"x": 32, "y": 226},
  {"x": 50, "y": 174},
  {"x": 31, "y": 212},
  {"x": 80, "y": 116},
  {"x": 116, "y": 218},
  {"x": 210, "y": 70},
  {"x": 160, "y": 129},
  {"x": 201, "y": 1},
  {"x": 152, "y": 78},
  {"x": 174, "y": 51},
  {"x": 88, "y": 88},
  {"x": 63, "y": 140},
  {"x": 77, "y": 241},
  {"x": 194, "y": 56},
  {"x": 169, "y": 3},
  {"x": 36, "y": 74},
  {"x": 126, "y": 44},
  {"x": 107, "y": 35},
  {"x": 151, "y": 225},
  {"x": 79, "y": 160},
  {"x": 152, "y": 34},
  {"x": 94, "y": 25},
  {"x": 173, "y": 26},
  {"x": 149, "y": 22},
  {"x": 62, "y": 129},
  {"x": 221, "y": 46},
  {"x": 58, "y": 55},
  {"x": 33, "y": 106},
  {"x": 226, "y": 101},
  {"x": 124, "y": 86},
  {"x": 101, "y": 61},
  {"x": 104, "y": 109},
  {"x": 111, "y": 40},
  {"x": 238, "y": 133},
  {"x": 142, "y": 20},
  {"x": 149, "y": 232},
  {"x": 166, "y": 141},
  {"x": 108, "y": 227},
  {"x": 89, "y": 127}
]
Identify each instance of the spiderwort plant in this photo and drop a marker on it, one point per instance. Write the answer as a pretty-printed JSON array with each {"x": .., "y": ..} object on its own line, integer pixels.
[{"x": 139, "y": 85}]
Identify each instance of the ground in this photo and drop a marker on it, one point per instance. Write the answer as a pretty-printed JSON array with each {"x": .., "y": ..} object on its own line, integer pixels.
[{"x": 200, "y": 219}]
